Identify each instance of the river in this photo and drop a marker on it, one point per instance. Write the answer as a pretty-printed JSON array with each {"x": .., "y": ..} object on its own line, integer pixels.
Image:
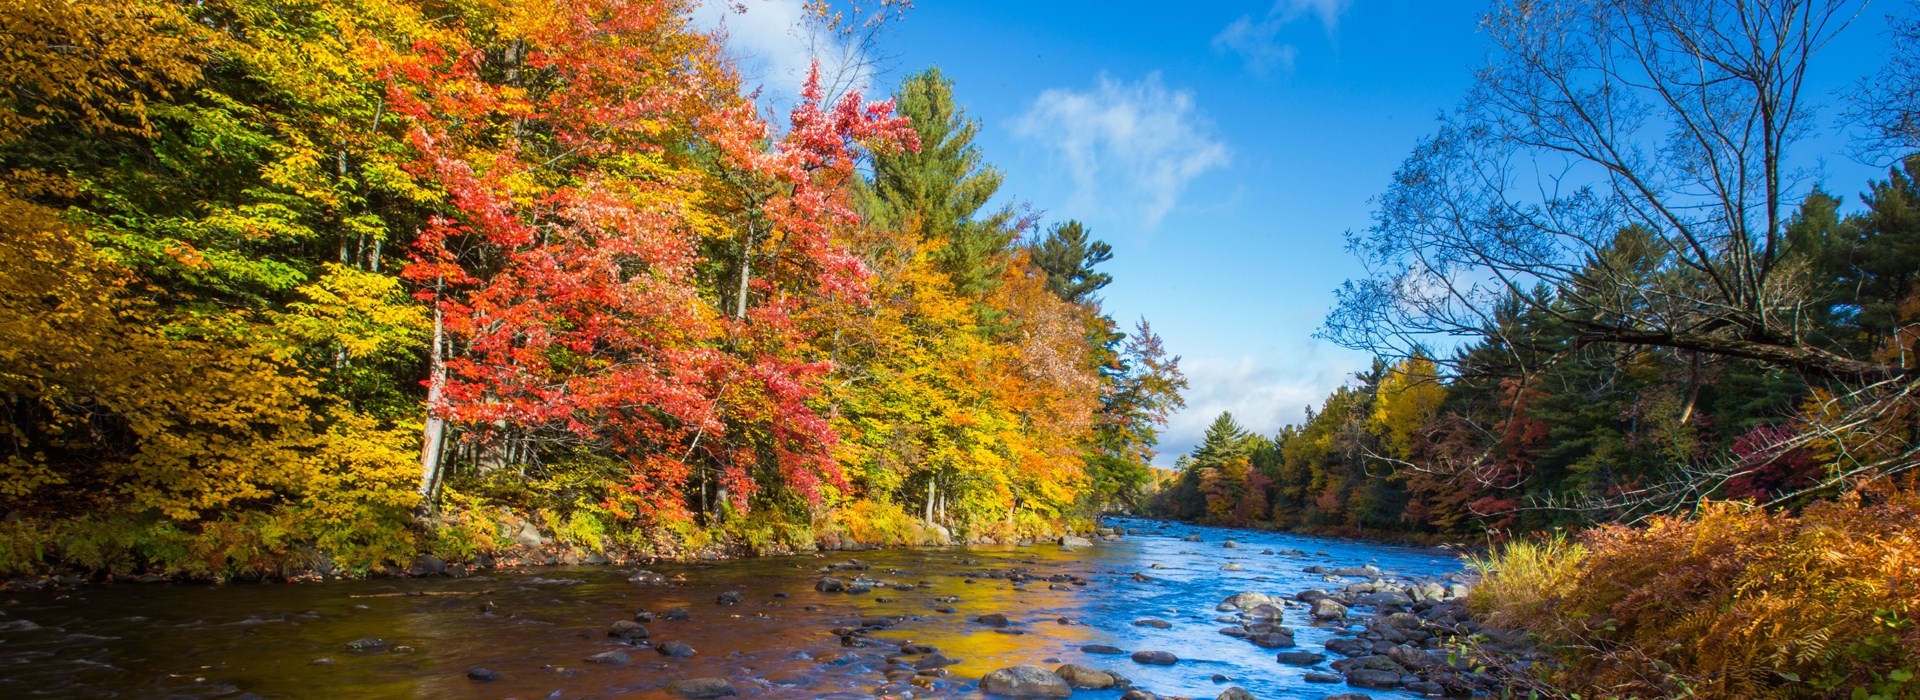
[{"x": 535, "y": 628}]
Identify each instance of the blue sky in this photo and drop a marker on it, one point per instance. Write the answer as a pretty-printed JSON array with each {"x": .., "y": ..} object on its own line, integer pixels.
[{"x": 1221, "y": 147}]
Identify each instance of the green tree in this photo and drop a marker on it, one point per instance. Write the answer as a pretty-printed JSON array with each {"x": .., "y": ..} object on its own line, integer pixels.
[
  {"x": 1067, "y": 256},
  {"x": 941, "y": 190}
]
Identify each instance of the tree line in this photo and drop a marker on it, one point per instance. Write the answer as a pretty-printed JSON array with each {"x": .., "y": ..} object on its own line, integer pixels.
[{"x": 365, "y": 278}]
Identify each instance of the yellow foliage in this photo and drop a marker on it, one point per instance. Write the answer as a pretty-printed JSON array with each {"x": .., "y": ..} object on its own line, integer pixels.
[{"x": 1736, "y": 603}]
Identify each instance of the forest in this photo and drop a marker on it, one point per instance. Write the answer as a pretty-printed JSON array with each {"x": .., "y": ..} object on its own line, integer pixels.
[{"x": 330, "y": 285}]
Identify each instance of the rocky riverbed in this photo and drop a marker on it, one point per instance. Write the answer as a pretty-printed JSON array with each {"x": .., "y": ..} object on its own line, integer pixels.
[{"x": 1136, "y": 610}]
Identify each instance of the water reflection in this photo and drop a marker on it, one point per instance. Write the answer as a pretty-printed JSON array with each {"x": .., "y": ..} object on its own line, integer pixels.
[{"x": 537, "y": 628}]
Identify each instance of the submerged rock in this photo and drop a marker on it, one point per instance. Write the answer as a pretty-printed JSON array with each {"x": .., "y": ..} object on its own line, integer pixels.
[{"x": 702, "y": 688}]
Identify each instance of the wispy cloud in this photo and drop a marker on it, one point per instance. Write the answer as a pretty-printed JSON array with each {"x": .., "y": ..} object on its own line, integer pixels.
[
  {"x": 1261, "y": 395},
  {"x": 775, "y": 42},
  {"x": 1129, "y": 147},
  {"x": 1257, "y": 40}
]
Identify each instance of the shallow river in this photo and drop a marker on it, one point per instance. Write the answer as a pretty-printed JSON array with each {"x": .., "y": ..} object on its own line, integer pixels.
[{"x": 535, "y": 628}]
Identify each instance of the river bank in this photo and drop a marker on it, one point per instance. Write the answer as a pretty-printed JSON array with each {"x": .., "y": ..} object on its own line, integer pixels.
[{"x": 772, "y": 627}]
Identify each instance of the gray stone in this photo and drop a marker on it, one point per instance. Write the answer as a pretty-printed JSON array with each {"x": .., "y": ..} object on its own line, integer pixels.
[
  {"x": 1299, "y": 658},
  {"x": 1246, "y": 601},
  {"x": 1101, "y": 649},
  {"x": 1233, "y": 567},
  {"x": 482, "y": 674},
  {"x": 1318, "y": 677},
  {"x": 1155, "y": 658},
  {"x": 1072, "y": 541},
  {"x": 1325, "y": 609},
  {"x": 1235, "y": 693},
  {"x": 678, "y": 650},
  {"x": 1084, "y": 678},
  {"x": 1374, "y": 679},
  {"x": 1152, "y": 622},
  {"x": 993, "y": 620},
  {"x": 830, "y": 585},
  {"x": 627, "y": 629},
  {"x": 1025, "y": 682}
]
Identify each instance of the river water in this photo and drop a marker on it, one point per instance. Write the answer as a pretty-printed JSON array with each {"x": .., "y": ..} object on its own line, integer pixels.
[{"x": 535, "y": 628}]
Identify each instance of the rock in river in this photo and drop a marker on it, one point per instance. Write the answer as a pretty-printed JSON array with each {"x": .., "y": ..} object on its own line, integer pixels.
[
  {"x": 1299, "y": 658},
  {"x": 1083, "y": 677},
  {"x": 1152, "y": 622},
  {"x": 702, "y": 688},
  {"x": 615, "y": 656},
  {"x": 627, "y": 629},
  {"x": 1235, "y": 693},
  {"x": 1101, "y": 649},
  {"x": 1025, "y": 682},
  {"x": 1373, "y": 678},
  {"x": 1327, "y": 609},
  {"x": 1155, "y": 658},
  {"x": 482, "y": 674},
  {"x": 678, "y": 650}
]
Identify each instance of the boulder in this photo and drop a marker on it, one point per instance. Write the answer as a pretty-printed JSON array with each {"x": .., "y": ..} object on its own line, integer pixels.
[
  {"x": 1348, "y": 646},
  {"x": 678, "y": 650},
  {"x": 627, "y": 629},
  {"x": 1373, "y": 679},
  {"x": 830, "y": 585},
  {"x": 614, "y": 656},
  {"x": 1155, "y": 658},
  {"x": 1101, "y": 649},
  {"x": 1275, "y": 638},
  {"x": 1383, "y": 599},
  {"x": 1151, "y": 622},
  {"x": 1074, "y": 541},
  {"x": 483, "y": 674},
  {"x": 1230, "y": 544},
  {"x": 993, "y": 620},
  {"x": 1025, "y": 682},
  {"x": 1299, "y": 658},
  {"x": 702, "y": 688},
  {"x": 1235, "y": 693},
  {"x": 1326, "y": 609},
  {"x": 427, "y": 565},
  {"x": 1232, "y": 567},
  {"x": 1318, "y": 677},
  {"x": 1245, "y": 601},
  {"x": 1264, "y": 613},
  {"x": 1084, "y": 678}
]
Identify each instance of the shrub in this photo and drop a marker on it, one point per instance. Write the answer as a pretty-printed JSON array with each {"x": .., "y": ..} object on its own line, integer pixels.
[{"x": 1736, "y": 602}]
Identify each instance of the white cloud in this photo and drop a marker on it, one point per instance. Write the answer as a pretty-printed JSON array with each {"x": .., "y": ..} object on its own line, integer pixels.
[
  {"x": 774, "y": 43},
  {"x": 1130, "y": 148},
  {"x": 1262, "y": 396},
  {"x": 1257, "y": 40}
]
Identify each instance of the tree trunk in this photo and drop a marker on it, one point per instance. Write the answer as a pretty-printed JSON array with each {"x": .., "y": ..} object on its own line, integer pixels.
[{"x": 434, "y": 439}]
